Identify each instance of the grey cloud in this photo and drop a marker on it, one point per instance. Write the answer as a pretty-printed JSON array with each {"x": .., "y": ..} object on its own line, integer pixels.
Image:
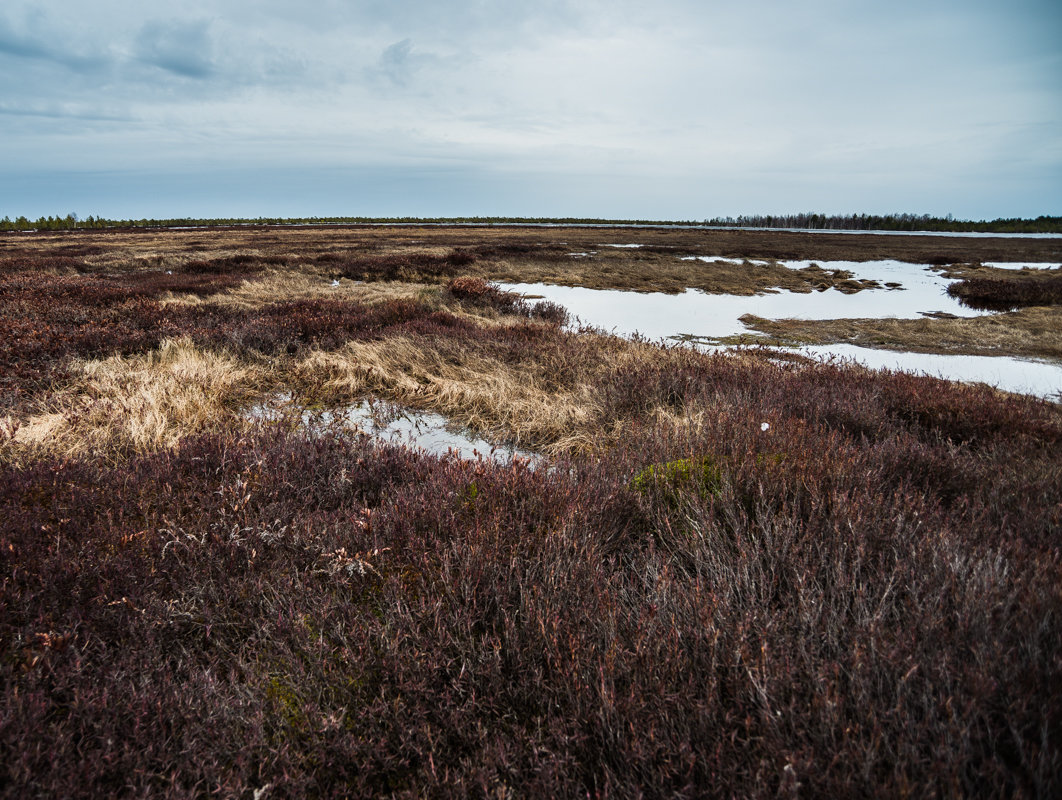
[
  {"x": 36, "y": 47},
  {"x": 399, "y": 63},
  {"x": 60, "y": 112},
  {"x": 23, "y": 46},
  {"x": 182, "y": 48},
  {"x": 681, "y": 94},
  {"x": 396, "y": 62}
]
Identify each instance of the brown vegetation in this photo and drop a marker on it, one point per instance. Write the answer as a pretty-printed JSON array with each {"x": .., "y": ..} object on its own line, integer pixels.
[
  {"x": 1041, "y": 287},
  {"x": 498, "y": 252},
  {"x": 738, "y": 576},
  {"x": 1030, "y": 332}
]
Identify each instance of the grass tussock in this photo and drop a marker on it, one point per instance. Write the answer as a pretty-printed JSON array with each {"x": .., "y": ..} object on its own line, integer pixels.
[
  {"x": 665, "y": 270},
  {"x": 139, "y": 404},
  {"x": 1031, "y": 332},
  {"x": 489, "y": 391},
  {"x": 297, "y": 285}
]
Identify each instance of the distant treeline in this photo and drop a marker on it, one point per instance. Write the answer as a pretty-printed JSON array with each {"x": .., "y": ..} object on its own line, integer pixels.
[
  {"x": 854, "y": 222},
  {"x": 892, "y": 222}
]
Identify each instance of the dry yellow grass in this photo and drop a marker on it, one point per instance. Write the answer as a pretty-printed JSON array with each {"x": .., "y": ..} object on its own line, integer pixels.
[
  {"x": 285, "y": 285},
  {"x": 1029, "y": 332},
  {"x": 505, "y": 403},
  {"x": 523, "y": 404},
  {"x": 640, "y": 271},
  {"x": 128, "y": 405},
  {"x": 293, "y": 284},
  {"x": 138, "y": 404}
]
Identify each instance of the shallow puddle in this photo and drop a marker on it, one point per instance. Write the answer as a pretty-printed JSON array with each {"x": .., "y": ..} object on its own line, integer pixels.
[
  {"x": 694, "y": 313},
  {"x": 1027, "y": 376},
  {"x": 657, "y": 315},
  {"x": 392, "y": 424}
]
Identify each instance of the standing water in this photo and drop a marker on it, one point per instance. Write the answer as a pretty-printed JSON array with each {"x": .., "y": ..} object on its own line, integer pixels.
[
  {"x": 921, "y": 290},
  {"x": 392, "y": 424}
]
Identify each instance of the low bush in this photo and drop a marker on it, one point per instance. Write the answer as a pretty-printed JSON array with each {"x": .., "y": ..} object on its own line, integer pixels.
[
  {"x": 52, "y": 318},
  {"x": 537, "y": 251},
  {"x": 415, "y": 267},
  {"x": 483, "y": 294},
  {"x": 290, "y": 326},
  {"x": 856, "y": 593},
  {"x": 239, "y": 264},
  {"x": 328, "y": 616},
  {"x": 49, "y": 263},
  {"x": 1004, "y": 294}
]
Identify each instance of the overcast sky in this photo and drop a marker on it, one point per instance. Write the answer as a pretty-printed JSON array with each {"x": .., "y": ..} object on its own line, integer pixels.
[{"x": 679, "y": 109}]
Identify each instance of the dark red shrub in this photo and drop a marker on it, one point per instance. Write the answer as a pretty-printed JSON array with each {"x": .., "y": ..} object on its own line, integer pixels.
[
  {"x": 1004, "y": 294},
  {"x": 481, "y": 293}
]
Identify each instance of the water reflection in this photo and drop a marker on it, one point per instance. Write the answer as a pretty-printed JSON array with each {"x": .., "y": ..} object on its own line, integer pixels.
[
  {"x": 394, "y": 424},
  {"x": 921, "y": 292},
  {"x": 657, "y": 315},
  {"x": 1026, "y": 376}
]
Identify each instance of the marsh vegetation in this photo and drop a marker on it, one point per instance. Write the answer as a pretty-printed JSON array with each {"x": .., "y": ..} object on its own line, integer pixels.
[{"x": 738, "y": 573}]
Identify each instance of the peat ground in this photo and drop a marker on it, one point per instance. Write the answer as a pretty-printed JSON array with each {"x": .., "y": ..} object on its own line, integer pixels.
[{"x": 737, "y": 574}]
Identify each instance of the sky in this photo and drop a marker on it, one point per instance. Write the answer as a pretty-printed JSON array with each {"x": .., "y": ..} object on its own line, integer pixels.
[{"x": 675, "y": 109}]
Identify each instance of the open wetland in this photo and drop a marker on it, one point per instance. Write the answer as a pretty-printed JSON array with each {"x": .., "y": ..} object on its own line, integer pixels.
[{"x": 412, "y": 511}]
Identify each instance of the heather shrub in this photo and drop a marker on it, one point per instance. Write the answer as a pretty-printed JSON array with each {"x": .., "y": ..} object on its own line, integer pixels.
[
  {"x": 548, "y": 311},
  {"x": 524, "y": 250},
  {"x": 52, "y": 317},
  {"x": 859, "y": 598},
  {"x": 478, "y": 292},
  {"x": 483, "y": 294},
  {"x": 38, "y": 263},
  {"x": 1004, "y": 294},
  {"x": 290, "y": 326},
  {"x": 461, "y": 257},
  {"x": 200, "y": 284},
  {"x": 329, "y": 616},
  {"x": 80, "y": 249},
  {"x": 414, "y": 267},
  {"x": 474, "y": 289},
  {"x": 240, "y": 264}
]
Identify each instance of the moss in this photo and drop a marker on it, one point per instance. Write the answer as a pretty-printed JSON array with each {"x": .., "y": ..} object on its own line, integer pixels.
[
  {"x": 700, "y": 476},
  {"x": 769, "y": 460},
  {"x": 287, "y": 702}
]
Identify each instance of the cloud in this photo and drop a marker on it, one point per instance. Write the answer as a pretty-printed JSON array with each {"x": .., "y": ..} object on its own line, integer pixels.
[
  {"x": 399, "y": 64},
  {"x": 24, "y": 46},
  {"x": 36, "y": 47},
  {"x": 60, "y": 111},
  {"x": 396, "y": 63},
  {"x": 681, "y": 95},
  {"x": 181, "y": 48}
]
